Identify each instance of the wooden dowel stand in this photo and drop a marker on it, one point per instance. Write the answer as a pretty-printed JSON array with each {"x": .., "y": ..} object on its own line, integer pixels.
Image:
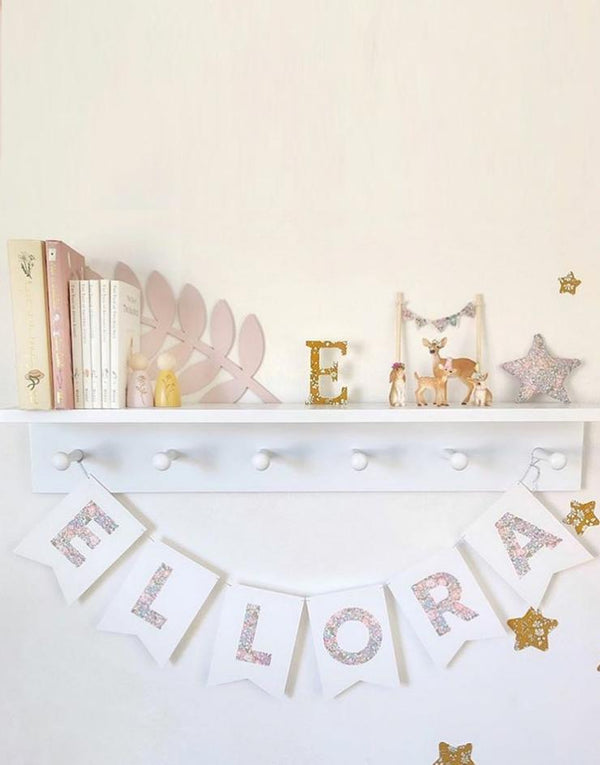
[
  {"x": 399, "y": 304},
  {"x": 479, "y": 331}
]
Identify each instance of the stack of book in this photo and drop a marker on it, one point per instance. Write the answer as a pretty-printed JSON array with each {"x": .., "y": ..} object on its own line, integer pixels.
[{"x": 73, "y": 335}]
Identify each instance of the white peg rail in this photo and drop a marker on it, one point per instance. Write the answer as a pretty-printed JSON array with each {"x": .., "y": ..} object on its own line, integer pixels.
[{"x": 289, "y": 448}]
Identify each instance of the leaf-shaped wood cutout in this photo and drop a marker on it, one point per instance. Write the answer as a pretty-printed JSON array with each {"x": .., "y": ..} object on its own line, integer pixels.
[
  {"x": 198, "y": 376},
  {"x": 251, "y": 345},
  {"x": 124, "y": 274},
  {"x": 152, "y": 342},
  {"x": 192, "y": 319},
  {"x": 180, "y": 352},
  {"x": 192, "y": 313},
  {"x": 222, "y": 327},
  {"x": 225, "y": 393},
  {"x": 161, "y": 300}
]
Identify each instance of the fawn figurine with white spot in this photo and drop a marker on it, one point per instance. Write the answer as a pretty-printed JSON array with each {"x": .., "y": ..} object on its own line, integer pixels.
[
  {"x": 437, "y": 384},
  {"x": 463, "y": 368}
]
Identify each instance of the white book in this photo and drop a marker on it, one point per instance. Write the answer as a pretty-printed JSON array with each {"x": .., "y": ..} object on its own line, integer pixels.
[
  {"x": 105, "y": 341},
  {"x": 124, "y": 337},
  {"x": 86, "y": 342},
  {"x": 96, "y": 362},
  {"x": 76, "y": 349}
]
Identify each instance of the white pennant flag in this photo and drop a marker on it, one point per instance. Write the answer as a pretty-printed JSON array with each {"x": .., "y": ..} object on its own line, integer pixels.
[
  {"x": 82, "y": 537},
  {"x": 444, "y": 604},
  {"x": 159, "y": 599},
  {"x": 352, "y": 639},
  {"x": 256, "y": 638},
  {"x": 525, "y": 543}
]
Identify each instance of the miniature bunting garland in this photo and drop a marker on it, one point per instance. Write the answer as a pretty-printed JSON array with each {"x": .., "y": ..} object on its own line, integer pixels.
[{"x": 440, "y": 324}]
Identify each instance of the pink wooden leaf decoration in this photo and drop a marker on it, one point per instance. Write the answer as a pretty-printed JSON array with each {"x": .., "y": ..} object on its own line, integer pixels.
[
  {"x": 222, "y": 327},
  {"x": 225, "y": 393},
  {"x": 251, "y": 345},
  {"x": 124, "y": 274},
  {"x": 198, "y": 376},
  {"x": 180, "y": 352},
  {"x": 161, "y": 300},
  {"x": 192, "y": 312},
  {"x": 152, "y": 342},
  {"x": 188, "y": 338}
]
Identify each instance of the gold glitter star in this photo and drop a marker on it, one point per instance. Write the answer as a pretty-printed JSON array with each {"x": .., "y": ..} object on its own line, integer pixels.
[
  {"x": 454, "y": 755},
  {"x": 569, "y": 283},
  {"x": 582, "y": 516},
  {"x": 532, "y": 630}
]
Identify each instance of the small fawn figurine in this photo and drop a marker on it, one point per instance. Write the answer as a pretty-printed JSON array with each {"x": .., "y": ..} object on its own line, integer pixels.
[
  {"x": 437, "y": 384},
  {"x": 397, "y": 395},
  {"x": 482, "y": 395},
  {"x": 139, "y": 387},
  {"x": 167, "y": 391},
  {"x": 463, "y": 368}
]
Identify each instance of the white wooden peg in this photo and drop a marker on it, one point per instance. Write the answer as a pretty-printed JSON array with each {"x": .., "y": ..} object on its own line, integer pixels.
[
  {"x": 557, "y": 460},
  {"x": 359, "y": 460},
  {"x": 261, "y": 460},
  {"x": 62, "y": 460},
  {"x": 458, "y": 460},
  {"x": 163, "y": 460}
]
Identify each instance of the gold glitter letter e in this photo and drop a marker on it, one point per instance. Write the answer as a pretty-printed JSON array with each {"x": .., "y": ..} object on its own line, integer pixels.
[{"x": 317, "y": 371}]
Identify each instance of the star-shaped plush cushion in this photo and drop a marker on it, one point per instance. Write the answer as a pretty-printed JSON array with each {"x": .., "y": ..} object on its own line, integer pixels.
[{"x": 539, "y": 372}]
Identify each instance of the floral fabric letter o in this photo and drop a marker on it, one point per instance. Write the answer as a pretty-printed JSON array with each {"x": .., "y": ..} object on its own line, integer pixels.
[{"x": 352, "y": 615}]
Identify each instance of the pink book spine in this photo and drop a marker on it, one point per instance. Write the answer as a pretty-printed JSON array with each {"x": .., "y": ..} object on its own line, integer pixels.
[{"x": 62, "y": 264}]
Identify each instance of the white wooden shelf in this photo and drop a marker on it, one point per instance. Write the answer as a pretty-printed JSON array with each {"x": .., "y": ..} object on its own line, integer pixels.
[
  {"x": 300, "y": 413},
  {"x": 293, "y": 447}
]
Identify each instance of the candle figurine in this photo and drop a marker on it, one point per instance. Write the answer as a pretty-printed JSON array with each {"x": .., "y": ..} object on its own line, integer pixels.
[
  {"x": 139, "y": 387},
  {"x": 166, "y": 392}
]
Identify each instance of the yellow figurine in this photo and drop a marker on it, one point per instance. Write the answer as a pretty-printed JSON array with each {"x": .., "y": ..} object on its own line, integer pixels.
[{"x": 166, "y": 392}]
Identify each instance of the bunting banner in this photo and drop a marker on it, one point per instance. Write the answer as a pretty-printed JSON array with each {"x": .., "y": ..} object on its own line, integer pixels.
[
  {"x": 524, "y": 543},
  {"x": 164, "y": 590},
  {"x": 352, "y": 639},
  {"x": 256, "y": 638},
  {"x": 452, "y": 320},
  {"x": 444, "y": 604},
  {"x": 159, "y": 599},
  {"x": 82, "y": 537}
]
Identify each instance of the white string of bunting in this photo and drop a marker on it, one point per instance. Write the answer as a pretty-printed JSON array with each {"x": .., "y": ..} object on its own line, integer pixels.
[{"x": 164, "y": 590}]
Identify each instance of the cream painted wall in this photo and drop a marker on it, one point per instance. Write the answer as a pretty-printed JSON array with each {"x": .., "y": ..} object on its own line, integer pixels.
[{"x": 305, "y": 161}]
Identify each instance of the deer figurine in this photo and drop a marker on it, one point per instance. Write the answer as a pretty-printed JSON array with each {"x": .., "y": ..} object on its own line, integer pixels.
[
  {"x": 397, "y": 395},
  {"x": 482, "y": 395},
  {"x": 463, "y": 368},
  {"x": 437, "y": 384}
]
